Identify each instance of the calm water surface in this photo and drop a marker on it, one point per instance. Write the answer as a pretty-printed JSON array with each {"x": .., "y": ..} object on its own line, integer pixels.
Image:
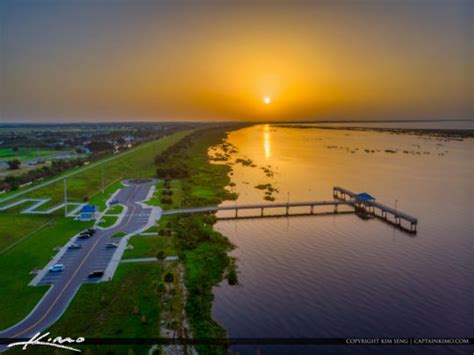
[
  {"x": 339, "y": 275},
  {"x": 461, "y": 124}
]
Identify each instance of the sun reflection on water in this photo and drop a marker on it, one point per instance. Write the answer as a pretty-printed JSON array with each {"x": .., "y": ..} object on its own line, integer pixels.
[{"x": 266, "y": 141}]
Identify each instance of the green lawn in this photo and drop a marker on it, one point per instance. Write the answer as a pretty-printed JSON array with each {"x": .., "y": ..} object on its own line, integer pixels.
[
  {"x": 26, "y": 153},
  {"x": 13, "y": 227},
  {"x": 100, "y": 198},
  {"x": 116, "y": 209},
  {"x": 107, "y": 221},
  {"x": 145, "y": 246},
  {"x": 119, "y": 235}
]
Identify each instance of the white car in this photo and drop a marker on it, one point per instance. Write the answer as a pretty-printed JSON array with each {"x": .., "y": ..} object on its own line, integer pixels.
[{"x": 56, "y": 268}]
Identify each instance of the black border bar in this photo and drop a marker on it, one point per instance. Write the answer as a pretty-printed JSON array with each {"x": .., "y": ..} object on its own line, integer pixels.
[{"x": 265, "y": 341}]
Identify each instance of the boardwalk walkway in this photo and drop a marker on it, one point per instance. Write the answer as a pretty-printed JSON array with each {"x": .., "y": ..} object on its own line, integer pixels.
[{"x": 342, "y": 197}]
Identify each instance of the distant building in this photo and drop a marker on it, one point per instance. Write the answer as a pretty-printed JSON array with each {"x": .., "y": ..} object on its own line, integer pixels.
[{"x": 87, "y": 213}]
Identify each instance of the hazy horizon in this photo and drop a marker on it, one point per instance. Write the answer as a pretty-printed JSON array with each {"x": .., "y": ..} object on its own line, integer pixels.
[{"x": 64, "y": 61}]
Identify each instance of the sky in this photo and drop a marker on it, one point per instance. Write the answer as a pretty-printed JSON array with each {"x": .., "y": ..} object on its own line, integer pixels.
[{"x": 100, "y": 60}]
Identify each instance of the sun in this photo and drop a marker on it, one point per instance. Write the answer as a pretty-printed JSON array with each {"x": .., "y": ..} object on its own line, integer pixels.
[{"x": 267, "y": 100}]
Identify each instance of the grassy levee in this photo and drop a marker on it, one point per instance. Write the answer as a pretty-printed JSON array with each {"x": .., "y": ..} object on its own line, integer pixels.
[
  {"x": 203, "y": 250},
  {"x": 31, "y": 249},
  {"x": 137, "y": 162}
]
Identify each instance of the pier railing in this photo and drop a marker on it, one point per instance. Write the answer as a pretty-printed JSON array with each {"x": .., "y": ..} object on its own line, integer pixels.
[
  {"x": 342, "y": 197},
  {"x": 373, "y": 207}
]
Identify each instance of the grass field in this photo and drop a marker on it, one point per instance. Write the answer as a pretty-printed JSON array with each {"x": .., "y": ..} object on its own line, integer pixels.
[
  {"x": 24, "y": 225},
  {"x": 116, "y": 209},
  {"x": 100, "y": 198},
  {"x": 16, "y": 298},
  {"x": 145, "y": 246},
  {"x": 107, "y": 221},
  {"x": 119, "y": 235}
]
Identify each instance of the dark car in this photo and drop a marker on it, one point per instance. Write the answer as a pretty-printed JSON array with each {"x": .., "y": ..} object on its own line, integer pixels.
[
  {"x": 97, "y": 273},
  {"x": 89, "y": 231}
]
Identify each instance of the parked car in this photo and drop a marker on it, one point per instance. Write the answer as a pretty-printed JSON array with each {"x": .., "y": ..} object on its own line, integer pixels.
[
  {"x": 88, "y": 231},
  {"x": 97, "y": 273},
  {"x": 112, "y": 245},
  {"x": 75, "y": 246},
  {"x": 56, "y": 268}
]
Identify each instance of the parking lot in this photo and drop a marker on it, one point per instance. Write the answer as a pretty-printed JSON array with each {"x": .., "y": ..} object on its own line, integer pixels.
[{"x": 72, "y": 256}]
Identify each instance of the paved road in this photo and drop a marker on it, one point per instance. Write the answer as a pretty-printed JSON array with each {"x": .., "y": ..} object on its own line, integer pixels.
[{"x": 83, "y": 261}]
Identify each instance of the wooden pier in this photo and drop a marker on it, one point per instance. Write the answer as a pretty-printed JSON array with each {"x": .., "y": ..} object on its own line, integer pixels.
[
  {"x": 375, "y": 208},
  {"x": 342, "y": 196}
]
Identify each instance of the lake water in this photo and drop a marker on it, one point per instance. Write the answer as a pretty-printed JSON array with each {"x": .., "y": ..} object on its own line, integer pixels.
[
  {"x": 332, "y": 276},
  {"x": 445, "y": 125}
]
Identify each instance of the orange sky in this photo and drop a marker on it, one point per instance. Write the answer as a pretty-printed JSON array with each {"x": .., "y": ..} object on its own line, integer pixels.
[{"x": 158, "y": 61}]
